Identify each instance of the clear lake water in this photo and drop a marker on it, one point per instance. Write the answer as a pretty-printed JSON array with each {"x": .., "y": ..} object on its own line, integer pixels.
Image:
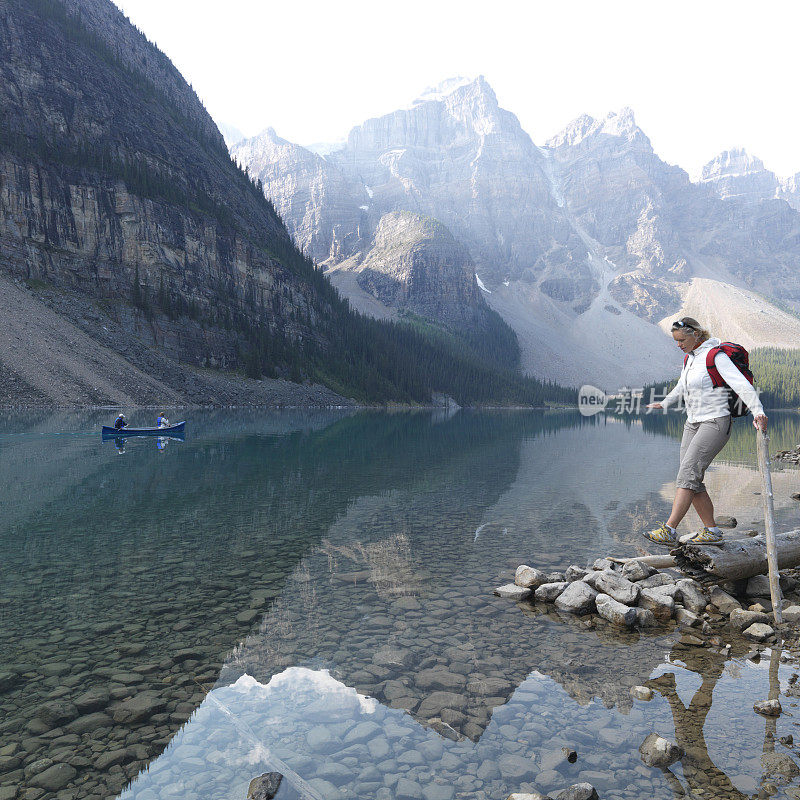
[{"x": 311, "y": 593}]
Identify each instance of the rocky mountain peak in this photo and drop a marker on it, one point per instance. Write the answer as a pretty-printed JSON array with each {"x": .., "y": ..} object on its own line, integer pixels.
[
  {"x": 737, "y": 174},
  {"x": 732, "y": 163},
  {"x": 620, "y": 124},
  {"x": 790, "y": 190},
  {"x": 575, "y": 132},
  {"x": 445, "y": 88}
]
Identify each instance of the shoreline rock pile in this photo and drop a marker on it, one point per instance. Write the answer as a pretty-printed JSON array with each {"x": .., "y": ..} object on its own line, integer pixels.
[
  {"x": 635, "y": 595},
  {"x": 790, "y": 456}
]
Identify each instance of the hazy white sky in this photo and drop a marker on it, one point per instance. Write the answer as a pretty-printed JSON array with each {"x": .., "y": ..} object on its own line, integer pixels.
[{"x": 701, "y": 75}]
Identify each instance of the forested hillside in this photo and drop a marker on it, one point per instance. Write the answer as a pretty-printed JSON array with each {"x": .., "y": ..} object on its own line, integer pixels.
[{"x": 776, "y": 373}]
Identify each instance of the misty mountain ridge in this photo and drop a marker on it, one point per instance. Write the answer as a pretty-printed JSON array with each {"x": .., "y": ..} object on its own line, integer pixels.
[{"x": 589, "y": 232}]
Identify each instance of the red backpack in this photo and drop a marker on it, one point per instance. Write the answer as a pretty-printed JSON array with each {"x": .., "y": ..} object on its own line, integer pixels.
[{"x": 741, "y": 360}]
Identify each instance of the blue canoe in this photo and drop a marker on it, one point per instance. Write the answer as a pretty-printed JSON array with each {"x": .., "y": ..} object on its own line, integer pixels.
[{"x": 175, "y": 431}]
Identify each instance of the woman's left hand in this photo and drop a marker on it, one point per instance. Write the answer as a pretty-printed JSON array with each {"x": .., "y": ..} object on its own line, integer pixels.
[{"x": 760, "y": 422}]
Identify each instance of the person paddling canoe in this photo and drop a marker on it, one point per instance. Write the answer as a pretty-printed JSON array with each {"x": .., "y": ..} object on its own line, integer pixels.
[
  {"x": 162, "y": 421},
  {"x": 707, "y": 428},
  {"x": 121, "y": 422}
]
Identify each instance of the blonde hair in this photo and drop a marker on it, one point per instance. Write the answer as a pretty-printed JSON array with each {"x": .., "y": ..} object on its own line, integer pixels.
[{"x": 700, "y": 333}]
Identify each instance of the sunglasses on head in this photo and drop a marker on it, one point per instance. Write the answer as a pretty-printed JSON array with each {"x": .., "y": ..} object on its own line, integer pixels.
[{"x": 681, "y": 324}]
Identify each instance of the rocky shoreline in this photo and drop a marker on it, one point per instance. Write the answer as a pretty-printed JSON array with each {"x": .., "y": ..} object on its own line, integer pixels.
[{"x": 636, "y": 595}]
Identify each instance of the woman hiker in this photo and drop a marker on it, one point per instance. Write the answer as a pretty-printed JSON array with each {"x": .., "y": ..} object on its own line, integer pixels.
[{"x": 707, "y": 429}]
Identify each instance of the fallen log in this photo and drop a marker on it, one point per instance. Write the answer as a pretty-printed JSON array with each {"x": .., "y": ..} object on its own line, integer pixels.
[
  {"x": 656, "y": 561},
  {"x": 737, "y": 559}
]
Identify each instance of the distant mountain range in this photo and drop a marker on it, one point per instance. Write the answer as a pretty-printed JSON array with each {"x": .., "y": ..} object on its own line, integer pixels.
[{"x": 588, "y": 246}]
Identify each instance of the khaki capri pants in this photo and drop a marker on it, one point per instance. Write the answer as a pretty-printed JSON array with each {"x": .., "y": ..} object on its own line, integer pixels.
[{"x": 701, "y": 442}]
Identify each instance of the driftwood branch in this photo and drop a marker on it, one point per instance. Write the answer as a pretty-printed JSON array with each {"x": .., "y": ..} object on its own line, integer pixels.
[
  {"x": 657, "y": 562},
  {"x": 769, "y": 520},
  {"x": 738, "y": 559}
]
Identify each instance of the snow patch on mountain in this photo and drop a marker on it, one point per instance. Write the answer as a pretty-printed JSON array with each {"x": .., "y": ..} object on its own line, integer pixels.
[
  {"x": 480, "y": 284},
  {"x": 442, "y": 90}
]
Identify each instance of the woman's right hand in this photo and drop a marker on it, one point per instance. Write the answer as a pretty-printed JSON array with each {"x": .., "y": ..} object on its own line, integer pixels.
[{"x": 654, "y": 405}]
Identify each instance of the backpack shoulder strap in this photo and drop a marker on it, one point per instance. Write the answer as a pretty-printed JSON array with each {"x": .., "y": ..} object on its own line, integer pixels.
[{"x": 716, "y": 378}]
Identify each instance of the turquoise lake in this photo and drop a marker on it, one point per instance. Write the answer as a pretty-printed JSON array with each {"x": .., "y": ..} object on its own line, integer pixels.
[{"x": 311, "y": 593}]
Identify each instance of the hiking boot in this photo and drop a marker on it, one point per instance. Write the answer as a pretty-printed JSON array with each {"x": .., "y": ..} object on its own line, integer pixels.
[
  {"x": 705, "y": 536},
  {"x": 662, "y": 535}
]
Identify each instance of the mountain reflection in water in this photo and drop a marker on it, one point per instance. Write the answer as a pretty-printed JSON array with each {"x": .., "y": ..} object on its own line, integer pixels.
[{"x": 378, "y": 663}]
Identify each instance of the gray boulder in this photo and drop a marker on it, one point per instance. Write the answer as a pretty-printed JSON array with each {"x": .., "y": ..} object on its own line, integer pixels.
[
  {"x": 759, "y": 632},
  {"x": 691, "y": 595},
  {"x": 57, "y": 712},
  {"x": 768, "y": 708},
  {"x": 614, "y": 611},
  {"x": 644, "y": 618},
  {"x": 140, "y": 707},
  {"x": 757, "y": 586},
  {"x": 618, "y": 587},
  {"x": 517, "y": 768},
  {"x": 578, "y": 791},
  {"x": 54, "y": 778},
  {"x": 436, "y": 702},
  {"x": 512, "y": 591},
  {"x": 577, "y": 598},
  {"x": 657, "y": 579},
  {"x": 662, "y": 605},
  {"x": 656, "y": 751},
  {"x": 686, "y": 618},
  {"x": 723, "y": 601},
  {"x": 7, "y": 680},
  {"x": 779, "y": 765},
  {"x": 741, "y": 619},
  {"x": 265, "y": 786},
  {"x": 575, "y": 573},
  {"x": 791, "y": 615},
  {"x": 548, "y": 592},
  {"x": 636, "y": 571},
  {"x": 529, "y": 577},
  {"x": 667, "y": 590}
]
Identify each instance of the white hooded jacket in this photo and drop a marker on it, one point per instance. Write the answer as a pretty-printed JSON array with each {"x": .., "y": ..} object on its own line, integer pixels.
[{"x": 703, "y": 401}]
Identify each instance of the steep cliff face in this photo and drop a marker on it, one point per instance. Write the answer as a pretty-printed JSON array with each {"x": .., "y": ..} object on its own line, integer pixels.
[
  {"x": 317, "y": 201},
  {"x": 415, "y": 264},
  {"x": 116, "y": 182}
]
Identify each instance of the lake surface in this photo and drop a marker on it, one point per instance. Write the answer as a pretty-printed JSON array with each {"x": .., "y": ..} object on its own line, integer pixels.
[{"x": 312, "y": 593}]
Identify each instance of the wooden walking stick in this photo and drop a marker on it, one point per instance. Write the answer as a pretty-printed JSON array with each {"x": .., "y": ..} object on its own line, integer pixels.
[{"x": 769, "y": 524}]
